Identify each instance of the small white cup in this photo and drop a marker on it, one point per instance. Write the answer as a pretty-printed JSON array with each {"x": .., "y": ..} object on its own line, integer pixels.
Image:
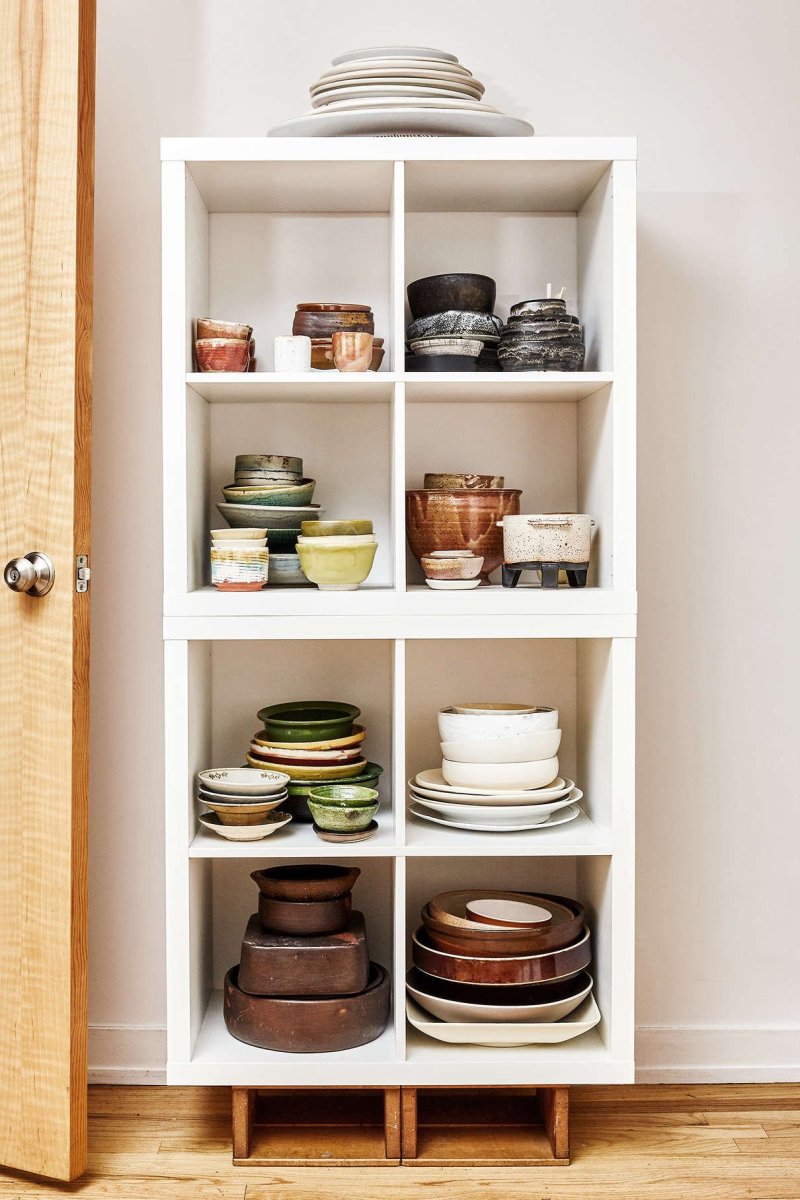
[{"x": 292, "y": 353}]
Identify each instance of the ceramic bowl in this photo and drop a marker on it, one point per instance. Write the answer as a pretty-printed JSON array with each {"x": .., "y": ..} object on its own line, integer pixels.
[
  {"x": 354, "y": 738},
  {"x": 244, "y": 534},
  {"x": 352, "y": 350},
  {"x": 461, "y": 727},
  {"x": 464, "y": 347},
  {"x": 337, "y": 568},
  {"x": 322, "y": 354},
  {"x": 242, "y": 781},
  {"x": 274, "y": 799},
  {"x": 273, "y": 516},
  {"x": 341, "y": 818},
  {"x": 313, "y": 758},
  {"x": 342, "y": 528},
  {"x": 512, "y": 970},
  {"x": 447, "y": 520},
  {"x": 272, "y": 822},
  {"x": 524, "y": 747},
  {"x": 308, "y": 720},
  {"x": 284, "y": 541},
  {"x": 304, "y": 918},
  {"x": 310, "y": 772},
  {"x": 306, "y": 881},
  {"x": 481, "y": 326},
  {"x": 352, "y": 539},
  {"x": 432, "y": 363},
  {"x": 452, "y": 585},
  {"x": 463, "y": 1002},
  {"x": 344, "y": 795},
  {"x": 239, "y": 570},
  {"x": 234, "y": 812},
  {"x": 266, "y": 478},
  {"x": 476, "y": 483},
  {"x": 254, "y": 463},
  {"x": 449, "y": 927},
  {"x": 521, "y": 775},
  {"x": 466, "y": 567},
  {"x": 300, "y": 789},
  {"x": 230, "y": 544},
  {"x": 456, "y": 290},
  {"x": 279, "y": 495},
  {"x": 221, "y": 354},
  {"x": 285, "y": 570},
  {"x": 323, "y": 324},
  {"x": 209, "y": 328}
]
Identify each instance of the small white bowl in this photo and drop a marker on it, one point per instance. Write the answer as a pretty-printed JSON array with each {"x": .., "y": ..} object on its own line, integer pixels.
[
  {"x": 453, "y": 585},
  {"x": 522, "y": 775},
  {"x": 234, "y": 544},
  {"x": 463, "y": 727},
  {"x": 243, "y": 833},
  {"x": 522, "y": 747},
  {"x": 237, "y": 535},
  {"x": 242, "y": 781}
]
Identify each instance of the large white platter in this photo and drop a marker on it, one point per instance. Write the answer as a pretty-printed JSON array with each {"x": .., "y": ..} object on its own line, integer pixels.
[
  {"x": 419, "y": 102},
  {"x": 460, "y": 1010},
  {"x": 400, "y": 72},
  {"x": 506, "y": 1033},
  {"x": 432, "y": 783},
  {"x": 403, "y": 122},
  {"x": 559, "y": 818},
  {"x": 496, "y": 814},
  {"x": 392, "y": 91},
  {"x": 393, "y": 52}
]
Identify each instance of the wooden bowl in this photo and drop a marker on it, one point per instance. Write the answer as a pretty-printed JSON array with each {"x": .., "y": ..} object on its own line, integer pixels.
[
  {"x": 451, "y": 930},
  {"x": 513, "y": 970},
  {"x": 460, "y": 520},
  {"x": 308, "y": 1025},
  {"x": 306, "y": 881},
  {"x": 304, "y": 917}
]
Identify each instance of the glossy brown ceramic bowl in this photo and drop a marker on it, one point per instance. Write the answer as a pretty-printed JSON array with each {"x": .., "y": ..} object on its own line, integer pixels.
[
  {"x": 511, "y": 970},
  {"x": 304, "y": 917},
  {"x": 209, "y": 328},
  {"x": 325, "y": 324},
  {"x": 306, "y": 881},
  {"x": 308, "y": 1025},
  {"x": 475, "y": 483},
  {"x": 460, "y": 520},
  {"x": 329, "y": 306},
  {"x": 221, "y": 354},
  {"x": 467, "y": 937}
]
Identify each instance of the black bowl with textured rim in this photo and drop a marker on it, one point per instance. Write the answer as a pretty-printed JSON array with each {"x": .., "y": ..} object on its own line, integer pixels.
[{"x": 457, "y": 290}]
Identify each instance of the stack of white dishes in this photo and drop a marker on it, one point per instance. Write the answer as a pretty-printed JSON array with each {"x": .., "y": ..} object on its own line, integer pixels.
[
  {"x": 499, "y": 771},
  {"x": 400, "y": 90},
  {"x": 244, "y": 805}
]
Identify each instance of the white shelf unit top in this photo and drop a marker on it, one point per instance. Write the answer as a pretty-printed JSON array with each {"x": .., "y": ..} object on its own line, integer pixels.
[{"x": 251, "y": 227}]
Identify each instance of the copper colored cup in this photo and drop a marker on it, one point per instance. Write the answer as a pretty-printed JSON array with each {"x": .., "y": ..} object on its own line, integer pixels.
[{"x": 352, "y": 351}]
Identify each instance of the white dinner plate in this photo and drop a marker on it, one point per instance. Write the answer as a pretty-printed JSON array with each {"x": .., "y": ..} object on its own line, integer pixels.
[
  {"x": 506, "y": 1033},
  {"x": 434, "y": 781},
  {"x": 419, "y": 102},
  {"x": 403, "y": 122},
  {"x": 522, "y": 799},
  {"x": 401, "y": 64},
  {"x": 495, "y": 814},
  {"x": 401, "y": 69},
  {"x": 392, "y": 53},
  {"x": 559, "y": 818},
  {"x": 388, "y": 91},
  {"x": 404, "y": 83}
]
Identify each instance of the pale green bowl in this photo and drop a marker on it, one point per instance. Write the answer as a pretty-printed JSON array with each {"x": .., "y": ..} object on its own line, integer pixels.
[
  {"x": 336, "y": 568},
  {"x": 341, "y": 819},
  {"x": 344, "y": 795}
]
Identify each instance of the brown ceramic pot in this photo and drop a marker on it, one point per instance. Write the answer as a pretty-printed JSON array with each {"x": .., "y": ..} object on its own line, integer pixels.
[
  {"x": 306, "y": 1025},
  {"x": 280, "y": 964},
  {"x": 306, "y": 881},
  {"x": 468, "y": 967},
  {"x": 460, "y": 520},
  {"x": 468, "y": 938},
  {"x": 325, "y": 324}
]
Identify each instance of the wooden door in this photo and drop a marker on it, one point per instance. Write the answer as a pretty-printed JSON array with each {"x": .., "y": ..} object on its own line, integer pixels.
[{"x": 46, "y": 159}]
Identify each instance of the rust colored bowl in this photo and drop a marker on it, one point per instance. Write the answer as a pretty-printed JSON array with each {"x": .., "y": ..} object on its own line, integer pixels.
[
  {"x": 222, "y": 354},
  {"x": 304, "y": 917},
  {"x": 306, "y": 881},
  {"x": 468, "y": 967},
  {"x": 308, "y": 1025},
  {"x": 325, "y": 324},
  {"x": 497, "y": 941},
  {"x": 207, "y": 327},
  {"x": 460, "y": 520}
]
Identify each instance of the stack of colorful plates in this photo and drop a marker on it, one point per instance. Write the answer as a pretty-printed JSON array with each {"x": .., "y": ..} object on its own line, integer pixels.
[{"x": 400, "y": 90}]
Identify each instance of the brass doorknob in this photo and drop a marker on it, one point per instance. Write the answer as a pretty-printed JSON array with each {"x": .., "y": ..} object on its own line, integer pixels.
[{"x": 34, "y": 574}]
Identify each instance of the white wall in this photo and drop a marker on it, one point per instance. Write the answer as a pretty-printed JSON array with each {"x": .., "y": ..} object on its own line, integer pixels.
[{"x": 712, "y": 92}]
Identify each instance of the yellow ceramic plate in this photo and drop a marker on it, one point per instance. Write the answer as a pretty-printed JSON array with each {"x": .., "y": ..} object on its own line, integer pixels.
[
  {"x": 353, "y": 739},
  {"x": 306, "y": 773}
]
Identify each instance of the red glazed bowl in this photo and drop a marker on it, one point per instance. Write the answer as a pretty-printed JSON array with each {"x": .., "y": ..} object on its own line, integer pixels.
[
  {"x": 460, "y": 520},
  {"x": 222, "y": 354}
]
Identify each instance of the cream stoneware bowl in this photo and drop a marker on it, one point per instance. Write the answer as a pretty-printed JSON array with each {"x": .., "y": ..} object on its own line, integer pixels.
[
  {"x": 522, "y": 775},
  {"x": 242, "y": 781},
  {"x": 463, "y": 727},
  {"x": 356, "y": 539},
  {"x": 336, "y": 568},
  {"x": 238, "y": 535},
  {"x": 523, "y": 747}
]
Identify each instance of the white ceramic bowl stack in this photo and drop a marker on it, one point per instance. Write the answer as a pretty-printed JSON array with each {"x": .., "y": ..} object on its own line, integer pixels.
[
  {"x": 499, "y": 771},
  {"x": 400, "y": 90},
  {"x": 243, "y": 803}
]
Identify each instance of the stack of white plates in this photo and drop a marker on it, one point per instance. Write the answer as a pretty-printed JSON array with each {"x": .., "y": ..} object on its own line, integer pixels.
[
  {"x": 400, "y": 90},
  {"x": 493, "y": 810}
]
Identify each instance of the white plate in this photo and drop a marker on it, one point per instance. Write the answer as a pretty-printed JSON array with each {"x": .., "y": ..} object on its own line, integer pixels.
[
  {"x": 506, "y": 1033},
  {"x": 273, "y": 798},
  {"x": 387, "y": 102},
  {"x": 434, "y": 781},
  {"x": 241, "y": 833},
  {"x": 387, "y": 91},
  {"x": 560, "y": 818},
  {"x": 392, "y": 53},
  {"x": 402, "y": 70},
  {"x": 397, "y": 84},
  {"x": 453, "y": 585},
  {"x": 270, "y": 516},
  {"x": 239, "y": 781},
  {"x": 427, "y": 79},
  {"x": 401, "y": 64},
  {"x": 403, "y": 122},
  {"x": 495, "y": 814},
  {"x": 461, "y": 1010}
]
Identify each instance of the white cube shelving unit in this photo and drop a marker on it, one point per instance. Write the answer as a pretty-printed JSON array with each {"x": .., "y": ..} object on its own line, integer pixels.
[{"x": 251, "y": 227}]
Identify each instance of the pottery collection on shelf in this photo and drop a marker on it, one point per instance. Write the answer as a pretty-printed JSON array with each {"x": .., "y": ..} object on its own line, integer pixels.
[
  {"x": 341, "y": 336},
  {"x": 499, "y": 771},
  {"x": 500, "y": 968},
  {"x": 305, "y": 983},
  {"x": 400, "y": 90}
]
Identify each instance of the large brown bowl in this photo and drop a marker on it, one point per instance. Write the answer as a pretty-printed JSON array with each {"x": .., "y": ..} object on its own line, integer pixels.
[
  {"x": 456, "y": 290},
  {"x": 305, "y": 918},
  {"x": 460, "y": 520},
  {"x": 306, "y": 881},
  {"x": 325, "y": 324},
  {"x": 513, "y": 970},
  {"x": 467, "y": 937},
  {"x": 308, "y": 1025}
]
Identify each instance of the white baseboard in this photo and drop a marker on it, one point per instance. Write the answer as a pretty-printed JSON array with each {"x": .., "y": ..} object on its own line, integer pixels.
[{"x": 136, "y": 1054}]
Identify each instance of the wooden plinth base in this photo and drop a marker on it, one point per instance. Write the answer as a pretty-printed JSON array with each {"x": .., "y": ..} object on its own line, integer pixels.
[{"x": 373, "y": 1126}]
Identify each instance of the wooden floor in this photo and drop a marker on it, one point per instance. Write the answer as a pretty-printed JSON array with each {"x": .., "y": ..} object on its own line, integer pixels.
[{"x": 643, "y": 1143}]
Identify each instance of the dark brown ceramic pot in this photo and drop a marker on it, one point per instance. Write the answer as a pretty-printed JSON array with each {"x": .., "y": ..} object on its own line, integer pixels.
[
  {"x": 460, "y": 520},
  {"x": 517, "y": 969},
  {"x": 282, "y": 964},
  {"x": 458, "y": 290},
  {"x": 304, "y": 1025},
  {"x": 306, "y": 881},
  {"x": 325, "y": 324},
  {"x": 304, "y": 917}
]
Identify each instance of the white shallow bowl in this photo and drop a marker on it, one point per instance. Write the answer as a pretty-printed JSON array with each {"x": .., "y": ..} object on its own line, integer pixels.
[
  {"x": 524, "y": 747},
  {"x": 432, "y": 784},
  {"x": 236, "y": 544},
  {"x": 242, "y": 781},
  {"x": 461, "y": 1010},
  {"x": 238, "y": 535},
  {"x": 273, "y": 516},
  {"x": 241, "y": 833},
  {"x": 496, "y": 814},
  {"x": 506, "y": 1033},
  {"x": 466, "y": 727},
  {"x": 519, "y": 775},
  {"x": 563, "y": 817},
  {"x": 273, "y": 800},
  {"x": 452, "y": 585}
]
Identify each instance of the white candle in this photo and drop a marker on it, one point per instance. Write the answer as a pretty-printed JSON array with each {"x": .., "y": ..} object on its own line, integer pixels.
[{"x": 292, "y": 353}]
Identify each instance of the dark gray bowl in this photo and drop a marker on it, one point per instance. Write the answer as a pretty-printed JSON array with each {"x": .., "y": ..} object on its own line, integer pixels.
[{"x": 458, "y": 290}]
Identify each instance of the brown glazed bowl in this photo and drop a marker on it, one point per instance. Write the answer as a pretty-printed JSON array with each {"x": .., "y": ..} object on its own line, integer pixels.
[
  {"x": 325, "y": 324},
  {"x": 460, "y": 520},
  {"x": 209, "y": 328},
  {"x": 306, "y": 881},
  {"x": 476, "y": 483},
  {"x": 304, "y": 917},
  {"x": 515, "y": 970},
  {"x": 499, "y": 941},
  {"x": 222, "y": 354},
  {"x": 308, "y": 1025}
]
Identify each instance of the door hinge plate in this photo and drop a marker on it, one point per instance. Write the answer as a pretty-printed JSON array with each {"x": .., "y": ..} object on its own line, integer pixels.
[{"x": 82, "y": 573}]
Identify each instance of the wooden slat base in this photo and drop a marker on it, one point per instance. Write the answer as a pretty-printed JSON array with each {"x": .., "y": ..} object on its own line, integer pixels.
[{"x": 373, "y": 1126}]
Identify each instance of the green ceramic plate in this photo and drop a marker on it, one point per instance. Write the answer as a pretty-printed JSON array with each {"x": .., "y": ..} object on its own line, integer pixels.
[
  {"x": 308, "y": 720},
  {"x": 369, "y": 778}
]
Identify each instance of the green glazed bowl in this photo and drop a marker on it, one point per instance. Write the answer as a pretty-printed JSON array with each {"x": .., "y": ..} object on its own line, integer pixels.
[
  {"x": 336, "y": 568},
  {"x": 344, "y": 795},
  {"x": 340, "y": 819},
  {"x": 308, "y": 720},
  {"x": 302, "y": 788},
  {"x": 282, "y": 495},
  {"x": 335, "y": 528}
]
